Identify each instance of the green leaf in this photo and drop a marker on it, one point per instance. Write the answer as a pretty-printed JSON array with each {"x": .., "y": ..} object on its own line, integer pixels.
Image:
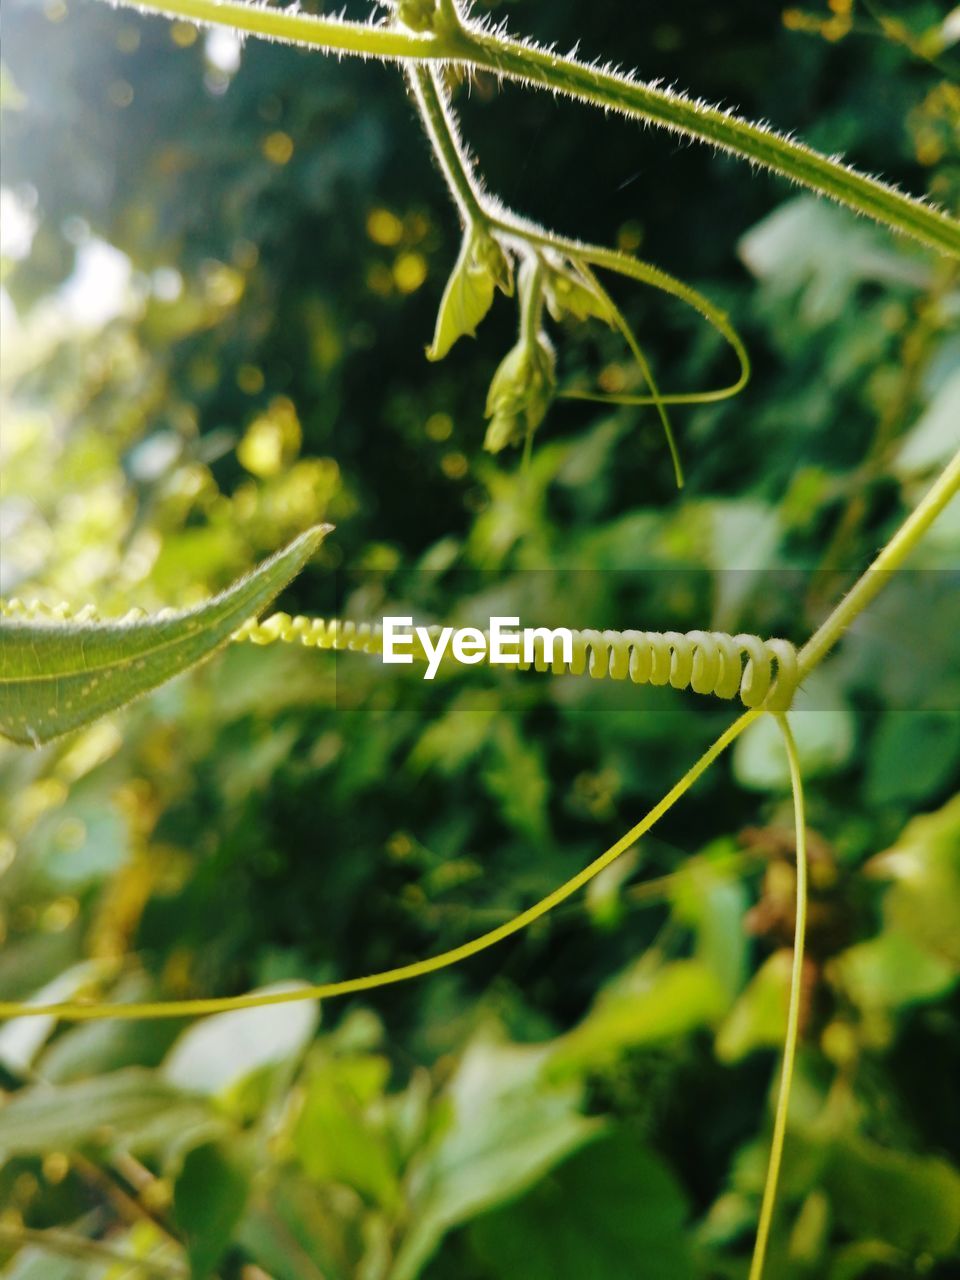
[
  {"x": 339, "y": 1134},
  {"x": 932, "y": 442},
  {"x": 218, "y": 1052},
  {"x": 517, "y": 780},
  {"x": 297, "y": 1230},
  {"x": 480, "y": 267},
  {"x": 758, "y": 1020},
  {"x": 44, "y": 1118},
  {"x": 923, "y": 903},
  {"x": 611, "y": 1210},
  {"x": 640, "y": 1008},
  {"x": 507, "y": 1127},
  {"x": 58, "y": 676},
  {"x": 22, "y": 1038},
  {"x": 892, "y": 970},
  {"x": 909, "y": 1201},
  {"x": 567, "y": 294},
  {"x": 209, "y": 1197},
  {"x": 108, "y": 1044},
  {"x": 708, "y": 896},
  {"x": 913, "y": 755}
]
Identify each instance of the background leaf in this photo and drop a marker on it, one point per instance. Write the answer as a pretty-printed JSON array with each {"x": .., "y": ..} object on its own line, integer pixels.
[
  {"x": 210, "y": 1194},
  {"x": 221, "y": 1050},
  {"x": 611, "y": 1210}
]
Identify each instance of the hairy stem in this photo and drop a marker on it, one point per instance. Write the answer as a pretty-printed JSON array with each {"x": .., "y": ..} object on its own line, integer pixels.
[
  {"x": 671, "y": 110},
  {"x": 441, "y": 129},
  {"x": 470, "y": 46}
]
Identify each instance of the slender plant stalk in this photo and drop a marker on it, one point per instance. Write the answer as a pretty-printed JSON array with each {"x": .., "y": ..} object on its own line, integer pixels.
[
  {"x": 793, "y": 1012},
  {"x": 75, "y": 1011},
  {"x": 441, "y": 129},
  {"x": 944, "y": 490},
  {"x": 620, "y": 321},
  {"x": 471, "y": 46}
]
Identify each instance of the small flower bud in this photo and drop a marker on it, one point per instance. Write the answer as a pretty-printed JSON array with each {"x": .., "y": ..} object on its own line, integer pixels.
[{"x": 520, "y": 393}]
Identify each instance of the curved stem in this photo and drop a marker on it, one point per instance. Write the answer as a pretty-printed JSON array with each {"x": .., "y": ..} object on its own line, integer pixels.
[
  {"x": 814, "y": 651},
  {"x": 468, "y": 45},
  {"x": 793, "y": 1012},
  {"x": 79, "y": 1012}
]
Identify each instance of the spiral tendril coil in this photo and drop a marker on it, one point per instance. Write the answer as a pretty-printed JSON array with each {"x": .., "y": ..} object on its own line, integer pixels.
[{"x": 761, "y": 672}]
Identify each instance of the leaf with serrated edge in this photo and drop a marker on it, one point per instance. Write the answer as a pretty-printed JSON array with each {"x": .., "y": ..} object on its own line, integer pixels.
[{"x": 59, "y": 676}]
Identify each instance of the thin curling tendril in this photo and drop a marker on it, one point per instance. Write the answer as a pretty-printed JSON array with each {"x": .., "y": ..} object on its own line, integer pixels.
[
  {"x": 78, "y": 1011},
  {"x": 620, "y": 321}
]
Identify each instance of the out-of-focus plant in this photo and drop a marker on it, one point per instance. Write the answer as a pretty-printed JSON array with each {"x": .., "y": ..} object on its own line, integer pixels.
[{"x": 51, "y": 681}]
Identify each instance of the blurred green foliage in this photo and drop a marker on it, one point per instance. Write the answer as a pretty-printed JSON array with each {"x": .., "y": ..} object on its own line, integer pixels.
[{"x": 214, "y": 337}]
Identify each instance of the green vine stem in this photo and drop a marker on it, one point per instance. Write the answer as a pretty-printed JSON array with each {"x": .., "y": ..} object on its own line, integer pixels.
[
  {"x": 441, "y": 129},
  {"x": 471, "y": 45},
  {"x": 945, "y": 488},
  {"x": 792, "y": 1036}
]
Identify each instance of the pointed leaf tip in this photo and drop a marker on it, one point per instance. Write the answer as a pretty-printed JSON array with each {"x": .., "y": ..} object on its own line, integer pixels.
[{"x": 57, "y": 676}]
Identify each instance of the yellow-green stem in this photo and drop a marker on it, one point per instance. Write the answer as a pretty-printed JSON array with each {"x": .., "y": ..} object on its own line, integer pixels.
[
  {"x": 793, "y": 1013},
  {"x": 79, "y": 1012},
  {"x": 944, "y": 489}
]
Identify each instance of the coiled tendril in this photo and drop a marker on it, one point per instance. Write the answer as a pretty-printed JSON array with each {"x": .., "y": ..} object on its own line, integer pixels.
[{"x": 761, "y": 672}]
